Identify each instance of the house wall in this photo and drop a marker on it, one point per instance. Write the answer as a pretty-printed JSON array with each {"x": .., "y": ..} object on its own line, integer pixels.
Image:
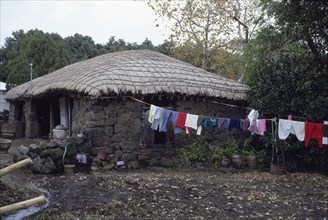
[
  {"x": 113, "y": 123},
  {"x": 119, "y": 127},
  {"x": 209, "y": 109},
  {"x": 109, "y": 123}
]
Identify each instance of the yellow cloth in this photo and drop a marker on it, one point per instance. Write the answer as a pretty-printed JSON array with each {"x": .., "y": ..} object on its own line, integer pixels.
[{"x": 151, "y": 114}]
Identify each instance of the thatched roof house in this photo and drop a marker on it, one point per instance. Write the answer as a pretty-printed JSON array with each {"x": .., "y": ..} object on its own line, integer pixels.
[
  {"x": 131, "y": 72},
  {"x": 98, "y": 96}
]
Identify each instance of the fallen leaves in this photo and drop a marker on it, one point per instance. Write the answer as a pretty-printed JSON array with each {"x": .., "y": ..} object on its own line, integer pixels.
[{"x": 188, "y": 194}]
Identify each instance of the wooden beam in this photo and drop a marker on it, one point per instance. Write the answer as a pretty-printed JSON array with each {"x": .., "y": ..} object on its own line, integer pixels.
[
  {"x": 15, "y": 166},
  {"x": 22, "y": 205}
]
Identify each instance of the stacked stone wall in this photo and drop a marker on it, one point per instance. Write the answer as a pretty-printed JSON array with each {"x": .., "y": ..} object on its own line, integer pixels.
[
  {"x": 115, "y": 127},
  {"x": 109, "y": 123}
]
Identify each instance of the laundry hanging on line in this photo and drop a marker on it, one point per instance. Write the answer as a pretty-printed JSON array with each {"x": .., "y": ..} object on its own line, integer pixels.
[
  {"x": 304, "y": 131},
  {"x": 159, "y": 117},
  {"x": 325, "y": 133}
]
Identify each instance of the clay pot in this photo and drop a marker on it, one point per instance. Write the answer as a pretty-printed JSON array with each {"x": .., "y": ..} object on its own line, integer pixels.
[
  {"x": 59, "y": 134},
  {"x": 251, "y": 162},
  {"x": 69, "y": 169},
  {"x": 225, "y": 162},
  {"x": 237, "y": 161},
  {"x": 5, "y": 144}
]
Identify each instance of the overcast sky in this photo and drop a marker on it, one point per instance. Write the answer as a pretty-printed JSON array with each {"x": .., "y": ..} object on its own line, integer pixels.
[{"x": 130, "y": 20}]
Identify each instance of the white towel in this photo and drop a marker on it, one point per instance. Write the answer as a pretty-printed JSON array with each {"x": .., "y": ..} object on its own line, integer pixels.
[
  {"x": 325, "y": 138},
  {"x": 191, "y": 121},
  {"x": 287, "y": 127},
  {"x": 253, "y": 115}
]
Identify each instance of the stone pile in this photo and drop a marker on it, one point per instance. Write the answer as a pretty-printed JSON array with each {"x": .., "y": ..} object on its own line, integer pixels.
[
  {"x": 110, "y": 158},
  {"x": 49, "y": 157}
]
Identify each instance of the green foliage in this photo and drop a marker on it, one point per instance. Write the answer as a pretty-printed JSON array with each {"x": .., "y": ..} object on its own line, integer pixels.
[
  {"x": 46, "y": 51},
  {"x": 80, "y": 47},
  {"x": 288, "y": 65},
  {"x": 230, "y": 147},
  {"x": 197, "y": 151},
  {"x": 203, "y": 151}
]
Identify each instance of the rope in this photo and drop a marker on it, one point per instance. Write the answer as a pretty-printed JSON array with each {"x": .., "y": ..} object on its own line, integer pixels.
[
  {"x": 137, "y": 100},
  {"x": 63, "y": 158}
]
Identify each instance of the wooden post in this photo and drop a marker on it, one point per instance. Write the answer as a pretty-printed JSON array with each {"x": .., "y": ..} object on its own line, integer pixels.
[
  {"x": 51, "y": 123},
  {"x": 16, "y": 166},
  {"x": 69, "y": 116},
  {"x": 24, "y": 204}
]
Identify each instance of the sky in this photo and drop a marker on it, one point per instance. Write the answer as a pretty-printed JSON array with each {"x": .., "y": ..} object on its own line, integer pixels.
[{"x": 130, "y": 20}]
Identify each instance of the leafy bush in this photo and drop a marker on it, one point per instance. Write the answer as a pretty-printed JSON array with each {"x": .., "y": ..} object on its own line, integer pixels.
[{"x": 203, "y": 151}]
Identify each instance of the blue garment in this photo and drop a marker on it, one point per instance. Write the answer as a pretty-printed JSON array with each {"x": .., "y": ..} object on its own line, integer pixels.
[
  {"x": 157, "y": 118},
  {"x": 211, "y": 121},
  {"x": 164, "y": 119},
  {"x": 234, "y": 123},
  {"x": 223, "y": 122},
  {"x": 226, "y": 123},
  {"x": 173, "y": 119}
]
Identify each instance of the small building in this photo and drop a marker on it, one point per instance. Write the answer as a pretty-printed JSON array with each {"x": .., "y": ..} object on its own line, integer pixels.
[
  {"x": 106, "y": 98},
  {"x": 4, "y": 104}
]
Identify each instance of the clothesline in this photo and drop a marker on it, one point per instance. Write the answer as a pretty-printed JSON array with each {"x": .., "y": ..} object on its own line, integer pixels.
[
  {"x": 221, "y": 103},
  {"x": 159, "y": 117},
  {"x": 299, "y": 117},
  {"x": 303, "y": 130},
  {"x": 146, "y": 103}
]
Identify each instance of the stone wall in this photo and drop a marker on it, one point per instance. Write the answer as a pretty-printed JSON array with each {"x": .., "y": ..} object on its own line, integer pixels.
[
  {"x": 114, "y": 123},
  {"x": 109, "y": 123},
  {"x": 115, "y": 128},
  {"x": 214, "y": 110}
]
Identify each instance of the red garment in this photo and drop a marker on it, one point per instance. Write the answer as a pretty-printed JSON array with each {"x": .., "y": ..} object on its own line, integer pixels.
[
  {"x": 181, "y": 121},
  {"x": 313, "y": 130}
]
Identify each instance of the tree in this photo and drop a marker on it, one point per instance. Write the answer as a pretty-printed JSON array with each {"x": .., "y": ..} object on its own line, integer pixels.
[
  {"x": 210, "y": 26},
  {"x": 115, "y": 45},
  {"x": 303, "y": 21},
  {"x": 10, "y": 44},
  {"x": 287, "y": 64},
  {"x": 81, "y": 47},
  {"x": 147, "y": 44},
  {"x": 45, "y": 51}
]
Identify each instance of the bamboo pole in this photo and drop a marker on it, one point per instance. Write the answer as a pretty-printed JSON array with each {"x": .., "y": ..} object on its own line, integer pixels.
[
  {"x": 23, "y": 204},
  {"x": 15, "y": 166}
]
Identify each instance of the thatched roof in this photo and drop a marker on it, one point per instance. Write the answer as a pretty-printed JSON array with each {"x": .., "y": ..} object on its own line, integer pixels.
[{"x": 136, "y": 72}]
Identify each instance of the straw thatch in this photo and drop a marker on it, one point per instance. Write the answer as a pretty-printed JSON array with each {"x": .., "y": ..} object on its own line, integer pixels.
[{"x": 136, "y": 72}]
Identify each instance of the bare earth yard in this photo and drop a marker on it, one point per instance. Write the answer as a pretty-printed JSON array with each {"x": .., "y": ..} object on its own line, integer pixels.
[{"x": 160, "y": 193}]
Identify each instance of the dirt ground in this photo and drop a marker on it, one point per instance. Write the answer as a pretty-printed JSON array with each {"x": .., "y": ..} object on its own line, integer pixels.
[{"x": 160, "y": 193}]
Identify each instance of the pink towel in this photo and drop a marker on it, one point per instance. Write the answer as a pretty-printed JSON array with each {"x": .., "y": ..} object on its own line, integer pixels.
[{"x": 261, "y": 125}]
